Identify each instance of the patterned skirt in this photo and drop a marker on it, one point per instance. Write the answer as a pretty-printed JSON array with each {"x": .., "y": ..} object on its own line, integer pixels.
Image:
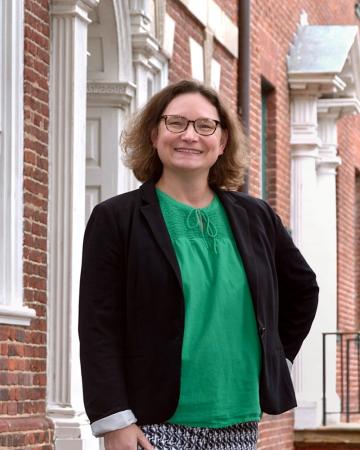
[{"x": 167, "y": 436}]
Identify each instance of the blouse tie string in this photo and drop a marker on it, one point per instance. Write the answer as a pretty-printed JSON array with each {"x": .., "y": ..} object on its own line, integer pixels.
[{"x": 199, "y": 218}]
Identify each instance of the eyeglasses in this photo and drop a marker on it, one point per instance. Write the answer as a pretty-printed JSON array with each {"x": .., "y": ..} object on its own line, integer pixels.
[{"x": 178, "y": 124}]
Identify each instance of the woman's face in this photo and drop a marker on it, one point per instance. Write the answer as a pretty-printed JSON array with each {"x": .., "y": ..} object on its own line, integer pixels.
[{"x": 189, "y": 151}]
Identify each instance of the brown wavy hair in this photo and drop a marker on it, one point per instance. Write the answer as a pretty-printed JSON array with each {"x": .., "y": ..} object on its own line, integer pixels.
[{"x": 141, "y": 156}]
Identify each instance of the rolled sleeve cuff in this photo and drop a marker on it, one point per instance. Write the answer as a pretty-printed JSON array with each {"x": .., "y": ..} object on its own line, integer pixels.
[{"x": 113, "y": 422}]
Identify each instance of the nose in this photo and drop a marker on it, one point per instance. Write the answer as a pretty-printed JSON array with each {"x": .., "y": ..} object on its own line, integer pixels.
[{"x": 190, "y": 133}]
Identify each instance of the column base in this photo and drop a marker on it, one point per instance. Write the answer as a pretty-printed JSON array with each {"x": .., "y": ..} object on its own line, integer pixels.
[
  {"x": 309, "y": 413},
  {"x": 72, "y": 430}
]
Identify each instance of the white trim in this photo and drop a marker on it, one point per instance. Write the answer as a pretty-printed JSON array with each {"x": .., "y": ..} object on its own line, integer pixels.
[
  {"x": 110, "y": 94},
  {"x": 11, "y": 164},
  {"x": 149, "y": 60},
  {"x": 13, "y": 315},
  {"x": 68, "y": 65}
]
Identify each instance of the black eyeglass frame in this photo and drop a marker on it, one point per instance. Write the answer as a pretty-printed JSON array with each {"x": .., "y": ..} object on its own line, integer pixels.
[{"x": 165, "y": 117}]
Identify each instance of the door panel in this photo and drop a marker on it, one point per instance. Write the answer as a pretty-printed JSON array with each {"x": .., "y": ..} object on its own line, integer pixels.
[{"x": 102, "y": 155}]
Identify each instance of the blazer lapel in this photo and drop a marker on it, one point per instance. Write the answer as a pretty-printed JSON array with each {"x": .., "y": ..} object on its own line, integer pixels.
[
  {"x": 152, "y": 213},
  {"x": 239, "y": 222}
]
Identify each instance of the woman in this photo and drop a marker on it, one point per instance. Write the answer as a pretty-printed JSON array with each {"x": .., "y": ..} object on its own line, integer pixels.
[{"x": 193, "y": 295}]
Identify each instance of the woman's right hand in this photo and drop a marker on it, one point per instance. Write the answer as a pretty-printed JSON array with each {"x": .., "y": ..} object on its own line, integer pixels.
[{"x": 127, "y": 438}]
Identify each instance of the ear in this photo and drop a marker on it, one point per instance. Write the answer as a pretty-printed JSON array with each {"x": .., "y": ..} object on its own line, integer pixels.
[
  {"x": 154, "y": 136},
  {"x": 223, "y": 140}
]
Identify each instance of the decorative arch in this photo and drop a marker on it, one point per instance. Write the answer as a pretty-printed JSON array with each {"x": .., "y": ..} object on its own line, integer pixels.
[{"x": 110, "y": 98}]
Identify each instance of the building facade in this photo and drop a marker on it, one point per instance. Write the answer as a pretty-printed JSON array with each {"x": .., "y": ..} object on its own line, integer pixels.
[{"x": 71, "y": 74}]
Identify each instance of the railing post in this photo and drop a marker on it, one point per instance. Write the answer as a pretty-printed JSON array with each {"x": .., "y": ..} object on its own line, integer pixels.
[
  {"x": 358, "y": 368},
  {"x": 341, "y": 375},
  {"x": 324, "y": 379},
  {"x": 348, "y": 380}
]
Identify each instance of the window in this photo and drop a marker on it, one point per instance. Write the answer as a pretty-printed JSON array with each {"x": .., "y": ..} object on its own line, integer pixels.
[
  {"x": 267, "y": 166},
  {"x": 12, "y": 310}
]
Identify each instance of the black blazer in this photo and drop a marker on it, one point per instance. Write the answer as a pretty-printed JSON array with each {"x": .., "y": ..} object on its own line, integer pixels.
[{"x": 132, "y": 308}]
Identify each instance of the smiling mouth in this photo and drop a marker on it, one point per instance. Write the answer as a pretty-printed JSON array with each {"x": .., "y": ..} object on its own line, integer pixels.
[{"x": 192, "y": 151}]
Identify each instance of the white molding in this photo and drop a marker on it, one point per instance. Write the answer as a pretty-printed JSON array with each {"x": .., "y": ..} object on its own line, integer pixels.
[
  {"x": 73, "y": 8},
  {"x": 338, "y": 106},
  {"x": 210, "y": 15},
  {"x": 72, "y": 430},
  {"x": 139, "y": 18},
  {"x": 12, "y": 315},
  {"x": 150, "y": 62},
  {"x": 12, "y": 310},
  {"x": 144, "y": 45},
  {"x": 114, "y": 94},
  {"x": 303, "y": 116},
  {"x": 316, "y": 83}
]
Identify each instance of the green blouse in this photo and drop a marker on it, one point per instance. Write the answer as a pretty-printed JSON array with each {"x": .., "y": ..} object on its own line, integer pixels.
[{"x": 221, "y": 353}]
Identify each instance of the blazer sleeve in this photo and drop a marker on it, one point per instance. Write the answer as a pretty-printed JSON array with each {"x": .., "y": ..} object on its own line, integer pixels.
[
  {"x": 101, "y": 317},
  {"x": 298, "y": 292}
]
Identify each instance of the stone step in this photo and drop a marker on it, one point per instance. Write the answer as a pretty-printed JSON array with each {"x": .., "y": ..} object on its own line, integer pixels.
[{"x": 339, "y": 437}]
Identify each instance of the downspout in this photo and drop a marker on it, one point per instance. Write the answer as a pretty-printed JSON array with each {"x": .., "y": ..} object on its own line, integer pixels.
[{"x": 244, "y": 71}]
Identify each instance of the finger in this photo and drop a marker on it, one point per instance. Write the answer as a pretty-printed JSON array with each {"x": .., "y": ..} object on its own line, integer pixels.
[{"x": 144, "y": 442}]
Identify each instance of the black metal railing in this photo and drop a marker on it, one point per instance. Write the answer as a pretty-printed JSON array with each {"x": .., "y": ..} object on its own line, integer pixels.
[{"x": 347, "y": 374}]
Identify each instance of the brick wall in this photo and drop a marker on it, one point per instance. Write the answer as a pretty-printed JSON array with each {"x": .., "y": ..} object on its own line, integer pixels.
[
  {"x": 276, "y": 432},
  {"x": 23, "y": 349},
  {"x": 348, "y": 252},
  {"x": 273, "y": 24},
  {"x": 349, "y": 150},
  {"x": 357, "y": 248}
]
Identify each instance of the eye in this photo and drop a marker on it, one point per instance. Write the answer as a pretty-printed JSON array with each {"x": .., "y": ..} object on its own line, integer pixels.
[
  {"x": 205, "y": 124},
  {"x": 176, "y": 121}
]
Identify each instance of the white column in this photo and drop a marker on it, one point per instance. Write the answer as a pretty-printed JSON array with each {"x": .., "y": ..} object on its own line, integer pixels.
[
  {"x": 67, "y": 209},
  {"x": 326, "y": 320},
  {"x": 144, "y": 46},
  {"x": 304, "y": 155},
  {"x": 150, "y": 63}
]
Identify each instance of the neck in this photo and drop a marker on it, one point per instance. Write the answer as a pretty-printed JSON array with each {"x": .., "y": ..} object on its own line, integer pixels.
[{"x": 190, "y": 190}]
